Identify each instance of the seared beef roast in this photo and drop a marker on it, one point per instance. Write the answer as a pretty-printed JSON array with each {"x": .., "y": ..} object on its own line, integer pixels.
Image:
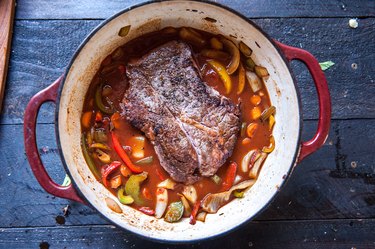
[{"x": 192, "y": 127}]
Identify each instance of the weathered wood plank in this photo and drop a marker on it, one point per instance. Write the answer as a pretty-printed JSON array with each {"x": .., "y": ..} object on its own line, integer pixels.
[
  {"x": 324, "y": 185},
  {"x": 43, "y": 9},
  {"x": 41, "y": 49},
  {"x": 321, "y": 234}
]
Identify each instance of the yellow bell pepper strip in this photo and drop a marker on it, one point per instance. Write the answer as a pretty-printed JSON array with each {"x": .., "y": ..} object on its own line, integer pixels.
[
  {"x": 221, "y": 71},
  {"x": 271, "y": 147},
  {"x": 88, "y": 158},
  {"x": 133, "y": 186},
  {"x": 122, "y": 154},
  {"x": 99, "y": 101},
  {"x": 107, "y": 170}
]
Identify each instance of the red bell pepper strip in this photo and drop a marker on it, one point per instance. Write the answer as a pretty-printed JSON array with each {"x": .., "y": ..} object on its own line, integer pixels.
[
  {"x": 108, "y": 169},
  {"x": 147, "y": 210},
  {"x": 194, "y": 212},
  {"x": 124, "y": 157},
  {"x": 229, "y": 176}
]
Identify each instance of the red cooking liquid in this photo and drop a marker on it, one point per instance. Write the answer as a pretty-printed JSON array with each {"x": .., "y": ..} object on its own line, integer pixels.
[{"x": 117, "y": 80}]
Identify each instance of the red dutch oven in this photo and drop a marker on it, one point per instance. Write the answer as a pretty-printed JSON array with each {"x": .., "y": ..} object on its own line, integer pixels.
[{"x": 68, "y": 92}]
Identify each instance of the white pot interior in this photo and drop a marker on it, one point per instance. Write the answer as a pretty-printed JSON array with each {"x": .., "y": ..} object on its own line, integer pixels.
[{"x": 152, "y": 17}]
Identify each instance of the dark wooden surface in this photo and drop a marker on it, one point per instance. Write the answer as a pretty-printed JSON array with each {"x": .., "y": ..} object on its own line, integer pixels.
[{"x": 329, "y": 201}]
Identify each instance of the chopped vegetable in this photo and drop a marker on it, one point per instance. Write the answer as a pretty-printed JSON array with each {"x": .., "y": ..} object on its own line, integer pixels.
[
  {"x": 216, "y": 179},
  {"x": 122, "y": 154},
  {"x": 112, "y": 204},
  {"x": 229, "y": 176},
  {"x": 161, "y": 202},
  {"x": 235, "y": 53},
  {"x": 89, "y": 138},
  {"x": 100, "y": 146},
  {"x": 201, "y": 216},
  {"x": 124, "y": 31},
  {"x": 187, "y": 209},
  {"x": 254, "y": 81},
  {"x": 251, "y": 128},
  {"x": 125, "y": 171},
  {"x": 167, "y": 184},
  {"x": 146, "y": 160},
  {"x": 241, "y": 79},
  {"x": 115, "y": 119},
  {"x": 267, "y": 113},
  {"x": 243, "y": 129},
  {"x": 88, "y": 158},
  {"x": 216, "y": 44},
  {"x": 174, "y": 212},
  {"x": 194, "y": 212},
  {"x": 261, "y": 71},
  {"x": 245, "y": 50},
  {"x": 99, "y": 101},
  {"x": 250, "y": 64},
  {"x": 147, "y": 210},
  {"x": 220, "y": 70},
  {"x": 124, "y": 199},
  {"x": 254, "y": 171},
  {"x": 98, "y": 117},
  {"x": 100, "y": 135},
  {"x": 133, "y": 185},
  {"x": 192, "y": 36},
  {"x": 137, "y": 143},
  {"x": 214, "y": 54},
  {"x": 115, "y": 182},
  {"x": 246, "y": 161},
  {"x": 86, "y": 119},
  {"x": 255, "y": 99},
  {"x": 271, "y": 122},
  {"x": 212, "y": 202},
  {"x": 325, "y": 65},
  {"x": 255, "y": 113},
  {"x": 237, "y": 179},
  {"x": 271, "y": 147},
  {"x": 238, "y": 194},
  {"x": 102, "y": 156},
  {"x": 246, "y": 141},
  {"x": 190, "y": 193},
  {"x": 109, "y": 169}
]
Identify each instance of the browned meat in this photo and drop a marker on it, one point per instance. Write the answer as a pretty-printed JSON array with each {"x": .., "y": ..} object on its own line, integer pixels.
[{"x": 191, "y": 126}]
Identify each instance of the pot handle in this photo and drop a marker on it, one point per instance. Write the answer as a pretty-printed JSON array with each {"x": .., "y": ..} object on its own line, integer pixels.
[
  {"x": 292, "y": 53},
  {"x": 40, "y": 173}
]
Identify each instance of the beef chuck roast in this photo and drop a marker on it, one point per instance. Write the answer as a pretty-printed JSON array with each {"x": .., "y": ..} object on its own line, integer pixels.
[{"x": 192, "y": 127}]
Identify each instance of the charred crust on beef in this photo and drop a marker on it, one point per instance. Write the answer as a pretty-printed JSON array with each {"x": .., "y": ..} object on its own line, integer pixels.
[{"x": 192, "y": 127}]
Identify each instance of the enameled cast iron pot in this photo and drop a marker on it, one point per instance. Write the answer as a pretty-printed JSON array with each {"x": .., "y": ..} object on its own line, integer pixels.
[{"x": 68, "y": 92}]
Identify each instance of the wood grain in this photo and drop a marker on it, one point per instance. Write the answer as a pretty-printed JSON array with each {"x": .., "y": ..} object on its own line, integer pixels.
[
  {"x": 6, "y": 24},
  {"x": 322, "y": 234},
  {"x": 97, "y": 9},
  {"x": 40, "y": 59},
  {"x": 324, "y": 186}
]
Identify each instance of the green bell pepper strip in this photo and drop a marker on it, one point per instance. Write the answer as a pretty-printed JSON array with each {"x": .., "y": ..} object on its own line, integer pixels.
[
  {"x": 133, "y": 185},
  {"x": 174, "y": 212},
  {"x": 99, "y": 101},
  {"x": 88, "y": 158}
]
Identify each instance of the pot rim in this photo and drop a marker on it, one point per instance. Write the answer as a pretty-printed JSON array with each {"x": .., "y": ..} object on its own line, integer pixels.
[{"x": 104, "y": 23}]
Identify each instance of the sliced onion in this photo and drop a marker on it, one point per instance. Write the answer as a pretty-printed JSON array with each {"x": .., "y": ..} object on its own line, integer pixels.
[
  {"x": 187, "y": 209},
  {"x": 212, "y": 202},
  {"x": 201, "y": 216},
  {"x": 167, "y": 183},
  {"x": 254, "y": 171},
  {"x": 161, "y": 202},
  {"x": 246, "y": 161},
  {"x": 235, "y": 53},
  {"x": 254, "y": 81},
  {"x": 190, "y": 193}
]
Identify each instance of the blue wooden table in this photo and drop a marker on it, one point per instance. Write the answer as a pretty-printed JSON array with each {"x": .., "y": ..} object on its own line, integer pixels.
[{"x": 329, "y": 202}]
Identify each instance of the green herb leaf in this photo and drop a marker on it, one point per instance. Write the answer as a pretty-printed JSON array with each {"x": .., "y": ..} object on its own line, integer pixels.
[
  {"x": 66, "y": 181},
  {"x": 325, "y": 65}
]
